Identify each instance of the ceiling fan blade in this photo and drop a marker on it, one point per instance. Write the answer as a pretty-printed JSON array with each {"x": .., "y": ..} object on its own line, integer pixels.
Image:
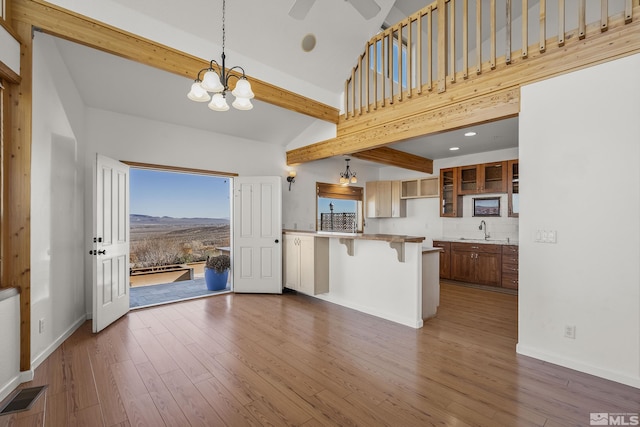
[
  {"x": 367, "y": 8},
  {"x": 300, "y": 9}
]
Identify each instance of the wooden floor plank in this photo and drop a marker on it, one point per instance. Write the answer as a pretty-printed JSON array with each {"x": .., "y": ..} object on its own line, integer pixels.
[{"x": 295, "y": 360}]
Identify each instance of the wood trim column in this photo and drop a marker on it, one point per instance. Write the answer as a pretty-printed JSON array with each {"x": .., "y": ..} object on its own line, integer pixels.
[{"x": 17, "y": 191}]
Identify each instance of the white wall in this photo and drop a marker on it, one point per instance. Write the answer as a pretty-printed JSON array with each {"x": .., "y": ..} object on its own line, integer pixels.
[
  {"x": 10, "y": 339},
  {"x": 580, "y": 176},
  {"x": 57, "y": 242},
  {"x": 423, "y": 215}
]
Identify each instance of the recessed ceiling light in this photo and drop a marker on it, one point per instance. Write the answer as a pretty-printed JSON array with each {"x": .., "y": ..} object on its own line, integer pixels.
[
  {"x": 454, "y": 148},
  {"x": 470, "y": 134}
]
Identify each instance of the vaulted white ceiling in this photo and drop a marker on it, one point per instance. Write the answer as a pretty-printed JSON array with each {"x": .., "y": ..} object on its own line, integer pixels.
[{"x": 268, "y": 39}]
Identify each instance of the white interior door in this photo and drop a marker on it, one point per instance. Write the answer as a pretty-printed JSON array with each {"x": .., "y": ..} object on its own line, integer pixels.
[
  {"x": 257, "y": 234},
  {"x": 111, "y": 243}
]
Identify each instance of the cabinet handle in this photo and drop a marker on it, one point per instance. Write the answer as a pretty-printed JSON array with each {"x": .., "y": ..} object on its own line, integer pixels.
[{"x": 475, "y": 247}]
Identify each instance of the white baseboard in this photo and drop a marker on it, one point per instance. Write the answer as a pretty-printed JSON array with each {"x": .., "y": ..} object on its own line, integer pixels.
[
  {"x": 578, "y": 366},
  {"x": 55, "y": 344}
]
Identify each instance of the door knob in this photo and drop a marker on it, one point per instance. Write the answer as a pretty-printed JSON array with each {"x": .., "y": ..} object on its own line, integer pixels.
[
  {"x": 102, "y": 252},
  {"x": 277, "y": 241}
]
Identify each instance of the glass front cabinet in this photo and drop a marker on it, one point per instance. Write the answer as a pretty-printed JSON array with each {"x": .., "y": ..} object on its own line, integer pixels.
[
  {"x": 450, "y": 200},
  {"x": 514, "y": 188}
]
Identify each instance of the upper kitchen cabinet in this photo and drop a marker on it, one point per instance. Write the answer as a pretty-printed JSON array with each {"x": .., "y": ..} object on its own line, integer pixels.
[
  {"x": 484, "y": 178},
  {"x": 421, "y": 187},
  {"x": 514, "y": 188},
  {"x": 450, "y": 200},
  {"x": 384, "y": 201}
]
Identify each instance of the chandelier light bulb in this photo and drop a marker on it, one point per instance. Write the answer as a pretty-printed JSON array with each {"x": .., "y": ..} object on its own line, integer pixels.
[
  {"x": 197, "y": 93},
  {"x": 243, "y": 89},
  {"x": 242, "y": 104},
  {"x": 211, "y": 82},
  {"x": 354, "y": 180},
  {"x": 218, "y": 103}
]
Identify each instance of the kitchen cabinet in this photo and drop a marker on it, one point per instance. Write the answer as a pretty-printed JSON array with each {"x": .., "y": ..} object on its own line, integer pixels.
[
  {"x": 445, "y": 258},
  {"x": 476, "y": 263},
  {"x": 421, "y": 187},
  {"x": 450, "y": 200},
  {"x": 513, "y": 180},
  {"x": 306, "y": 268},
  {"x": 483, "y": 178},
  {"x": 510, "y": 255},
  {"x": 384, "y": 200}
]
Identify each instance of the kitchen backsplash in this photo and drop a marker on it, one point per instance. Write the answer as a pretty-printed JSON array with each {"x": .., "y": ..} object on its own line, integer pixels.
[{"x": 501, "y": 227}]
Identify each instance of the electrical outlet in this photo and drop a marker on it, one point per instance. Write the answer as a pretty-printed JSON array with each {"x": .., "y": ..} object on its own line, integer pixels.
[
  {"x": 41, "y": 325},
  {"x": 570, "y": 332}
]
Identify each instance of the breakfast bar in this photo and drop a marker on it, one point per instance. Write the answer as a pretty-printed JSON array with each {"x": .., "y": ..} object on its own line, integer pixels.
[{"x": 379, "y": 274}]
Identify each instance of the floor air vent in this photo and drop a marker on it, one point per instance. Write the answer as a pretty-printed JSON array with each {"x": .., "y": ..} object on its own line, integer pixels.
[{"x": 23, "y": 400}]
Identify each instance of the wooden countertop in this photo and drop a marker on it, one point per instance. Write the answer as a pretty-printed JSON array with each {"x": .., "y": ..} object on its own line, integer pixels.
[{"x": 392, "y": 238}]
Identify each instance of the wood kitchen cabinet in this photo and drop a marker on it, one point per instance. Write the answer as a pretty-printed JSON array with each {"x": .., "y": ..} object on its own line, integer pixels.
[
  {"x": 450, "y": 200},
  {"x": 445, "y": 258},
  {"x": 476, "y": 263},
  {"x": 483, "y": 178},
  {"x": 513, "y": 181},
  {"x": 421, "y": 187},
  {"x": 384, "y": 200},
  {"x": 306, "y": 264},
  {"x": 510, "y": 255}
]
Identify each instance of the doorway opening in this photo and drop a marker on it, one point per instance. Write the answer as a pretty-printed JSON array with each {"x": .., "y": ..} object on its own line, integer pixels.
[{"x": 178, "y": 220}]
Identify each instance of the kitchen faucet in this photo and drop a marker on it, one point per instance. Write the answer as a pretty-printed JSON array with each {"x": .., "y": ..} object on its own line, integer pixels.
[{"x": 486, "y": 235}]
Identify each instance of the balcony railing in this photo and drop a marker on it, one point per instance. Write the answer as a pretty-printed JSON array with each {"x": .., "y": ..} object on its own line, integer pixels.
[{"x": 450, "y": 40}]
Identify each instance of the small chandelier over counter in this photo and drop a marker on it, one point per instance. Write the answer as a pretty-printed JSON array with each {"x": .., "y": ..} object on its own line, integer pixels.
[
  {"x": 218, "y": 84},
  {"x": 348, "y": 176}
]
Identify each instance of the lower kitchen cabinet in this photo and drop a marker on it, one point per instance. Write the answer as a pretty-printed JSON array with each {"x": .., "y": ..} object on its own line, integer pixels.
[
  {"x": 306, "y": 264},
  {"x": 445, "y": 258},
  {"x": 510, "y": 266},
  {"x": 476, "y": 263}
]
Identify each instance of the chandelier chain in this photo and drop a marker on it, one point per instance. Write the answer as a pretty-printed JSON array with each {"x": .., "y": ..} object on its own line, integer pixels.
[{"x": 224, "y": 36}]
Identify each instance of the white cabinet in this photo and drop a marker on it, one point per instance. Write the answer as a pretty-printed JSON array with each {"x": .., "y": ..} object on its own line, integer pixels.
[
  {"x": 384, "y": 201},
  {"x": 306, "y": 268}
]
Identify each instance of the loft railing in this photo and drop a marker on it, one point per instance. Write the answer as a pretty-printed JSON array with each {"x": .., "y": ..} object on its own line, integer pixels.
[{"x": 449, "y": 39}]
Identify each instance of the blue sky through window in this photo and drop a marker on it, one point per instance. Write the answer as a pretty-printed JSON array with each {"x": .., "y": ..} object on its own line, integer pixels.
[{"x": 179, "y": 195}]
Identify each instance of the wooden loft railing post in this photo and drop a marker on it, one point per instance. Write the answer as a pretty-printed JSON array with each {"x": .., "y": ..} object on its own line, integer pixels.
[
  {"x": 452, "y": 41},
  {"x": 628, "y": 11},
  {"x": 478, "y": 36},
  {"x": 400, "y": 70},
  {"x": 507, "y": 52},
  {"x": 582, "y": 11},
  {"x": 560, "y": 23},
  {"x": 442, "y": 46},
  {"x": 375, "y": 74},
  {"x": 419, "y": 53},
  {"x": 543, "y": 25},
  {"x": 383, "y": 62},
  {"x": 525, "y": 28},
  {"x": 604, "y": 15},
  {"x": 346, "y": 99},
  {"x": 430, "y": 48},
  {"x": 390, "y": 64},
  {"x": 409, "y": 59},
  {"x": 367, "y": 72},
  {"x": 465, "y": 39},
  {"x": 493, "y": 34},
  {"x": 353, "y": 92}
]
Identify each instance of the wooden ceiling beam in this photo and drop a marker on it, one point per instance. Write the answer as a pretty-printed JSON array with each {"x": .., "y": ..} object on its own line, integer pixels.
[
  {"x": 63, "y": 23},
  {"x": 392, "y": 157},
  {"x": 482, "y": 109}
]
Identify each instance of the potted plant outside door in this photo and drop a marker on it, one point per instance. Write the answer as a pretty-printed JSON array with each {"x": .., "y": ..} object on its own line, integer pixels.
[{"x": 216, "y": 272}]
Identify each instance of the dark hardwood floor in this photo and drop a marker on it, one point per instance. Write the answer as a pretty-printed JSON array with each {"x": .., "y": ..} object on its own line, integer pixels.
[{"x": 293, "y": 360}]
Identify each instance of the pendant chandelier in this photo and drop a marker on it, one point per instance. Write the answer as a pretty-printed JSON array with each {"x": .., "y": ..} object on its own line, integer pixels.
[
  {"x": 217, "y": 82},
  {"x": 348, "y": 176}
]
